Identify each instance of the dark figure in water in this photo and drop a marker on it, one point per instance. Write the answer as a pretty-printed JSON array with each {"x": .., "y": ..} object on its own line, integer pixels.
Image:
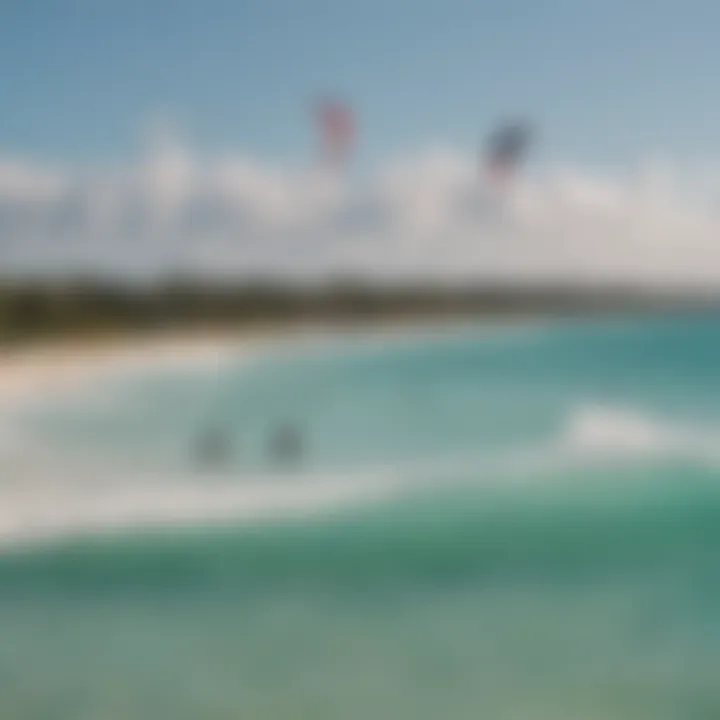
[
  {"x": 286, "y": 445},
  {"x": 212, "y": 447}
]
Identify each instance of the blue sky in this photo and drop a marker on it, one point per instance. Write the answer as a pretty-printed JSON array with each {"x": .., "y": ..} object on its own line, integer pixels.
[
  {"x": 608, "y": 82},
  {"x": 610, "y": 85}
]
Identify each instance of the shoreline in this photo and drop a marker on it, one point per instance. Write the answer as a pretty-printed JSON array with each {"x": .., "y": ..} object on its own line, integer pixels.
[
  {"x": 35, "y": 368},
  {"x": 64, "y": 360},
  {"x": 65, "y": 365}
]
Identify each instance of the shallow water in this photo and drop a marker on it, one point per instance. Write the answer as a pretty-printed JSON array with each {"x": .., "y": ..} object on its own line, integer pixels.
[{"x": 516, "y": 523}]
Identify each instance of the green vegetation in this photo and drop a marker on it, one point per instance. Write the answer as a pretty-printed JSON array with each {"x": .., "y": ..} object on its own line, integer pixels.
[{"x": 46, "y": 309}]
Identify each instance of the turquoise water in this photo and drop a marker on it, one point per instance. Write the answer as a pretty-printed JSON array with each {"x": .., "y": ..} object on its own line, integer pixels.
[{"x": 542, "y": 539}]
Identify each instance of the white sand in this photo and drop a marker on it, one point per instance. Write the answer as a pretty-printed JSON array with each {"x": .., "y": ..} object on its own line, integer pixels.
[{"x": 33, "y": 372}]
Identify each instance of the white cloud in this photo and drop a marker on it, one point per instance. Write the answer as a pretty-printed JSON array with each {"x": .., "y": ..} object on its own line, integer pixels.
[{"x": 426, "y": 215}]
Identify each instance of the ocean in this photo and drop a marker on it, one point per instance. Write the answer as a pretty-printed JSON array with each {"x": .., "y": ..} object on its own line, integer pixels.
[{"x": 517, "y": 522}]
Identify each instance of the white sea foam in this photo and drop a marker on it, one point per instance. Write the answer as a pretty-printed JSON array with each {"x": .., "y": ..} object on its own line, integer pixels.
[
  {"x": 597, "y": 431},
  {"x": 62, "y": 509}
]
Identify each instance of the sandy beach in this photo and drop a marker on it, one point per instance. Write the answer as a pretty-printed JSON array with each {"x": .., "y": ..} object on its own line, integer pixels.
[{"x": 34, "y": 369}]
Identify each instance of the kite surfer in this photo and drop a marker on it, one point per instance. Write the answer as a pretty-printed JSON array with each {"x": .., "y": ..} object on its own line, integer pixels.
[
  {"x": 212, "y": 448},
  {"x": 287, "y": 443}
]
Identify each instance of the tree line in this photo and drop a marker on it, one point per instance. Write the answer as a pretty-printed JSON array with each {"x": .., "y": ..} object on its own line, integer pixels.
[{"x": 43, "y": 308}]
